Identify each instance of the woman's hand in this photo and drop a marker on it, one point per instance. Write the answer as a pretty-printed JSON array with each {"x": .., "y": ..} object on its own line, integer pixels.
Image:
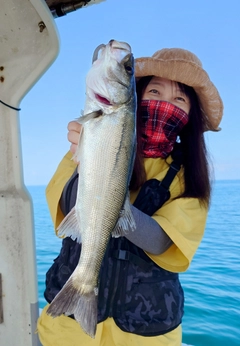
[{"x": 74, "y": 129}]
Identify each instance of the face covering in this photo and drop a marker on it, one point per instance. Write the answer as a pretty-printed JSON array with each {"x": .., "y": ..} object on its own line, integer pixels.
[{"x": 161, "y": 124}]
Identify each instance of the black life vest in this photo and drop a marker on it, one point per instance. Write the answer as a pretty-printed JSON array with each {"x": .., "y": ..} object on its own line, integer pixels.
[{"x": 140, "y": 296}]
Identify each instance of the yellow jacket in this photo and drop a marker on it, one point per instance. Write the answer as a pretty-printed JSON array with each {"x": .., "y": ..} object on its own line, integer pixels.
[{"x": 183, "y": 219}]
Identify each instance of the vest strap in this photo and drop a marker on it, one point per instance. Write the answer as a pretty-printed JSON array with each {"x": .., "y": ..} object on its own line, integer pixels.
[{"x": 125, "y": 255}]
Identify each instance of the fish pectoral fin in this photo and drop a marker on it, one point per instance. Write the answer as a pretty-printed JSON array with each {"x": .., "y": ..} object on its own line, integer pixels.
[
  {"x": 69, "y": 227},
  {"x": 86, "y": 117},
  {"x": 125, "y": 222},
  {"x": 83, "y": 119},
  {"x": 77, "y": 153}
]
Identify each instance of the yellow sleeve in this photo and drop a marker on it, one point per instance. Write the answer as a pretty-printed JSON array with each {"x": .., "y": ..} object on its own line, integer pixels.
[
  {"x": 55, "y": 187},
  {"x": 184, "y": 221}
]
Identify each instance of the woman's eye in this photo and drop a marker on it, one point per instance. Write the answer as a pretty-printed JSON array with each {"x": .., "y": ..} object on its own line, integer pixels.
[
  {"x": 154, "y": 91},
  {"x": 179, "y": 98}
]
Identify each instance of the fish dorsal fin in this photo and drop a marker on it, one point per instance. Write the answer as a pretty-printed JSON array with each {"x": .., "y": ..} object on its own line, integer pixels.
[
  {"x": 125, "y": 222},
  {"x": 69, "y": 227}
]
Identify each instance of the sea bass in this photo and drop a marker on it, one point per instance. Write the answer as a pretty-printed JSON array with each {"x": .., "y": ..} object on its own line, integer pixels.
[{"x": 106, "y": 152}]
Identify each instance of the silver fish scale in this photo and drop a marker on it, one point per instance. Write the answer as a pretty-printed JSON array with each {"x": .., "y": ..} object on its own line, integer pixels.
[{"x": 105, "y": 158}]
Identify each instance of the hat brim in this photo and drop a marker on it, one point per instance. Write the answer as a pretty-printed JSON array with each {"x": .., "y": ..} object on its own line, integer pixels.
[{"x": 191, "y": 74}]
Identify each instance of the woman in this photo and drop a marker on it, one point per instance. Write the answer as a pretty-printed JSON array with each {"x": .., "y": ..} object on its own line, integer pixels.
[{"x": 140, "y": 296}]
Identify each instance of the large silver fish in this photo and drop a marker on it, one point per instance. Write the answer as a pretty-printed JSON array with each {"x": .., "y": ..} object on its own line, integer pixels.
[{"x": 106, "y": 153}]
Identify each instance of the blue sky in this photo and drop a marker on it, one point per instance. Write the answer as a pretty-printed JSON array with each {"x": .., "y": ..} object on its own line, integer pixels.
[{"x": 210, "y": 29}]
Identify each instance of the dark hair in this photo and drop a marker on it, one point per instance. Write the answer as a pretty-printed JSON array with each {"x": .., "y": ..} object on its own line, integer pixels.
[{"x": 195, "y": 157}]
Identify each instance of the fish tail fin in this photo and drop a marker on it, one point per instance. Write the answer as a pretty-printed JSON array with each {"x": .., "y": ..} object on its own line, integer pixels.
[
  {"x": 64, "y": 301},
  {"x": 69, "y": 227},
  {"x": 125, "y": 222},
  {"x": 85, "y": 313},
  {"x": 70, "y": 301}
]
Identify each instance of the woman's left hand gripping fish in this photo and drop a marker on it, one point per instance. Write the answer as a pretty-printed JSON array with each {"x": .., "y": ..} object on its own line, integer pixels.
[{"x": 106, "y": 153}]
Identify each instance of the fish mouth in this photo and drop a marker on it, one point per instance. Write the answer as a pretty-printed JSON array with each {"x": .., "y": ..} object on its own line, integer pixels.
[
  {"x": 96, "y": 52},
  {"x": 103, "y": 100},
  {"x": 120, "y": 45}
]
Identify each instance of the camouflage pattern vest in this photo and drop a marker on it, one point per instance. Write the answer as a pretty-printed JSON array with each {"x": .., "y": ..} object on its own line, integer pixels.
[{"x": 141, "y": 297}]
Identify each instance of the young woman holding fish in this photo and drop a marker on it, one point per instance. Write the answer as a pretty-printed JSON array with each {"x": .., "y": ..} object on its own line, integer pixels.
[{"x": 140, "y": 299}]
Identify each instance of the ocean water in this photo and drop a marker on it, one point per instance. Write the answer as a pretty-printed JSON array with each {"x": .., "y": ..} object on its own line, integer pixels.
[{"x": 211, "y": 284}]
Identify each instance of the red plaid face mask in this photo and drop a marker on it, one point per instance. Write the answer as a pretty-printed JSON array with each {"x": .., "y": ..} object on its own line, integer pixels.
[{"x": 161, "y": 124}]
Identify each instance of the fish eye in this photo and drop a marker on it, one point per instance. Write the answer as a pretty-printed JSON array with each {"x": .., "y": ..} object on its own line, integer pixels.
[{"x": 128, "y": 69}]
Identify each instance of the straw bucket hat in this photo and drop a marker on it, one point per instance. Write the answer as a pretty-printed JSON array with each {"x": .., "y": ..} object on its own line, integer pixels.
[{"x": 182, "y": 66}]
